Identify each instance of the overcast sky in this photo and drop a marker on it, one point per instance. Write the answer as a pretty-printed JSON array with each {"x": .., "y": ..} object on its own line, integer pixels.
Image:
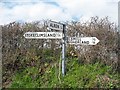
[{"x": 58, "y": 10}]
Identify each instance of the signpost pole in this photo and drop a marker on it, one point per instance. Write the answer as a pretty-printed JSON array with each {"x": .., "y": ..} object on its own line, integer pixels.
[{"x": 63, "y": 49}]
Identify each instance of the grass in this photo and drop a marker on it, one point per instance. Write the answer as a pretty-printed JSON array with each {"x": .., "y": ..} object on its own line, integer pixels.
[{"x": 77, "y": 76}]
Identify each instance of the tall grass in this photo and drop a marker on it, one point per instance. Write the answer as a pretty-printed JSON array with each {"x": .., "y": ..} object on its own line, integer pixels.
[{"x": 77, "y": 76}]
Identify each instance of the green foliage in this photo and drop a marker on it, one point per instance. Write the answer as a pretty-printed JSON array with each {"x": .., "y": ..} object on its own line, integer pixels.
[
  {"x": 27, "y": 78},
  {"x": 77, "y": 76}
]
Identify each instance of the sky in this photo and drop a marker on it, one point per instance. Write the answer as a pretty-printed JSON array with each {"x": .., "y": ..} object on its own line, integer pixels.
[{"x": 57, "y": 10}]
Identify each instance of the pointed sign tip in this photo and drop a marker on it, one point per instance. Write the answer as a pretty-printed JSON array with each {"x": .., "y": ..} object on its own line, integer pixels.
[{"x": 97, "y": 40}]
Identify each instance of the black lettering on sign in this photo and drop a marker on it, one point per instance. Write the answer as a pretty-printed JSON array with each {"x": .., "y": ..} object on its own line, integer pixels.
[
  {"x": 85, "y": 42},
  {"x": 42, "y": 35},
  {"x": 54, "y": 25},
  {"x": 50, "y": 35},
  {"x": 51, "y": 25},
  {"x": 27, "y": 35}
]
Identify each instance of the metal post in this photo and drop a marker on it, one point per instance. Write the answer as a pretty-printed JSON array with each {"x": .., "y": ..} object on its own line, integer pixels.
[{"x": 63, "y": 49}]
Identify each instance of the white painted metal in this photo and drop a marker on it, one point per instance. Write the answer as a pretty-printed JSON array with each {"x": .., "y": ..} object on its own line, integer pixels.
[
  {"x": 43, "y": 35},
  {"x": 55, "y": 25},
  {"x": 83, "y": 40}
]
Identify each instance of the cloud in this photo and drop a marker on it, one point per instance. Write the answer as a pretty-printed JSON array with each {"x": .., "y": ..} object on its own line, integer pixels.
[
  {"x": 59, "y": 10},
  {"x": 87, "y": 8},
  {"x": 32, "y": 12}
]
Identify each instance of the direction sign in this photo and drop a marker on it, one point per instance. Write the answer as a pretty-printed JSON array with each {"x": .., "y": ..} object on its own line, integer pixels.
[
  {"x": 55, "y": 25},
  {"x": 74, "y": 40},
  {"x": 43, "y": 35},
  {"x": 89, "y": 40},
  {"x": 83, "y": 40}
]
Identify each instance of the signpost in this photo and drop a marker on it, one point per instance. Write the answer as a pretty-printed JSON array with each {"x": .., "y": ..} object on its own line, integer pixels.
[
  {"x": 52, "y": 35},
  {"x": 60, "y": 27},
  {"x": 83, "y": 40},
  {"x": 61, "y": 35}
]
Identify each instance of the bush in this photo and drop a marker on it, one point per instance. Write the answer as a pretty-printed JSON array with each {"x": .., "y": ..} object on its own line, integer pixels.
[{"x": 77, "y": 76}]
